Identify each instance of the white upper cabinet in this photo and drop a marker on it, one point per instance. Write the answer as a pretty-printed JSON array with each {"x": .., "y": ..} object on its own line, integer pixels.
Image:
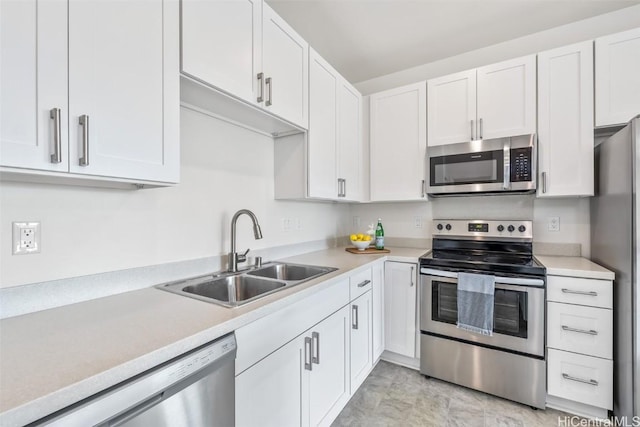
[
  {"x": 350, "y": 141},
  {"x": 398, "y": 124},
  {"x": 334, "y": 141},
  {"x": 565, "y": 121},
  {"x": 33, "y": 85},
  {"x": 495, "y": 101},
  {"x": 617, "y": 78},
  {"x": 118, "y": 118},
  {"x": 244, "y": 49},
  {"x": 123, "y": 89},
  {"x": 323, "y": 128},
  {"x": 285, "y": 58},
  {"x": 507, "y": 98},
  {"x": 221, "y": 44},
  {"x": 451, "y": 108}
]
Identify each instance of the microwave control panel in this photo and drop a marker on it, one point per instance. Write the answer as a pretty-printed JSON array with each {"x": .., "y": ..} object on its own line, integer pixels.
[{"x": 521, "y": 164}]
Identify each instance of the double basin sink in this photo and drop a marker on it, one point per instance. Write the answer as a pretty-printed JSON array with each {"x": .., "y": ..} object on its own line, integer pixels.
[{"x": 236, "y": 289}]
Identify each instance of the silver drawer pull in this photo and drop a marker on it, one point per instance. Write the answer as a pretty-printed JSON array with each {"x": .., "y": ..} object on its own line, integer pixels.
[
  {"x": 269, "y": 83},
  {"x": 580, "y": 380},
  {"x": 308, "y": 354},
  {"x": 84, "y": 123},
  {"x": 589, "y": 293},
  {"x": 260, "y": 87},
  {"x": 354, "y": 311},
  {"x": 364, "y": 283},
  {"x": 315, "y": 358},
  {"x": 582, "y": 331},
  {"x": 56, "y": 157}
]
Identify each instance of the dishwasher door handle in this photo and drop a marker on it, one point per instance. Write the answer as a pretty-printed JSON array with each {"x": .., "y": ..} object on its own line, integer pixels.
[{"x": 136, "y": 410}]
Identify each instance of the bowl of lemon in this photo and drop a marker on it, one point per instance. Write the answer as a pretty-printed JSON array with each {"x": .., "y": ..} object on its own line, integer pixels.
[{"x": 360, "y": 241}]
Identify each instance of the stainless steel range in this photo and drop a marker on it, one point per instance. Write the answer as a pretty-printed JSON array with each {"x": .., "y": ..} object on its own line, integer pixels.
[{"x": 510, "y": 362}]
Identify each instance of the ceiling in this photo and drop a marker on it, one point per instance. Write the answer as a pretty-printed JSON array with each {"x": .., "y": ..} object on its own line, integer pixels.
[{"x": 364, "y": 39}]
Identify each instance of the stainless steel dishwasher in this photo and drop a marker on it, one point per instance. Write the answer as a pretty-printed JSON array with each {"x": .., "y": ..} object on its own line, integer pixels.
[{"x": 194, "y": 390}]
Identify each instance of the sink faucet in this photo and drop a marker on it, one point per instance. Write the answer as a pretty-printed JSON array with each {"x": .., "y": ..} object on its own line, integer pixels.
[{"x": 234, "y": 257}]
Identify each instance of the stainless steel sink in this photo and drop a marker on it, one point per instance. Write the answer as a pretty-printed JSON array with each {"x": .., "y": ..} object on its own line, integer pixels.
[
  {"x": 290, "y": 272},
  {"x": 232, "y": 290},
  {"x": 235, "y": 289}
]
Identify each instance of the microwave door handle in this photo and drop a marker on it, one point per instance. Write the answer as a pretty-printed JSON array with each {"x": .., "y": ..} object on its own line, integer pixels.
[{"x": 506, "y": 182}]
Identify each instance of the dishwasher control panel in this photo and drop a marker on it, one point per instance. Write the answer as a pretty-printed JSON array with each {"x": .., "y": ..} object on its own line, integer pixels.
[{"x": 202, "y": 358}]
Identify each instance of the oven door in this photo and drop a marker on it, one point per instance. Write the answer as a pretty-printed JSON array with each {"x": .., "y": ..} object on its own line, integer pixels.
[{"x": 518, "y": 312}]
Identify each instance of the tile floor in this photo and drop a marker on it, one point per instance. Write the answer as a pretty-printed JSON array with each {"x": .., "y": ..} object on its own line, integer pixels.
[{"x": 396, "y": 396}]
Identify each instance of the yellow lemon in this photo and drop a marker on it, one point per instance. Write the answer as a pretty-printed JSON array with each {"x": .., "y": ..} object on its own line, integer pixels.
[
  {"x": 353, "y": 237},
  {"x": 367, "y": 238},
  {"x": 360, "y": 236}
]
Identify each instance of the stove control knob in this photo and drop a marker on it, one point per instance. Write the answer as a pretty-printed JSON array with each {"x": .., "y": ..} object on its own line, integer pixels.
[
  {"x": 522, "y": 229},
  {"x": 511, "y": 228},
  {"x": 448, "y": 227},
  {"x": 439, "y": 227},
  {"x": 501, "y": 228}
]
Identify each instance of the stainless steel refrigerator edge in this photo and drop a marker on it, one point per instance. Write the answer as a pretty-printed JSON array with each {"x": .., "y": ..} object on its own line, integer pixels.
[{"x": 615, "y": 244}]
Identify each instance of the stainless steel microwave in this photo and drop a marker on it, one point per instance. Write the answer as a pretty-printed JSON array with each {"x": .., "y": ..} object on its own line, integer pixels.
[{"x": 500, "y": 165}]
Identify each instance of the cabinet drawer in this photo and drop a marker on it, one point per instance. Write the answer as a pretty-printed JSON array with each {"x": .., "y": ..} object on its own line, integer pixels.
[
  {"x": 576, "y": 290},
  {"x": 584, "y": 379},
  {"x": 360, "y": 283},
  {"x": 580, "y": 329}
]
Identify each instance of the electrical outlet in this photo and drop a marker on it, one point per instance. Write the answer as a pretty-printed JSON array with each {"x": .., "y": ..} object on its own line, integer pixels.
[
  {"x": 286, "y": 224},
  {"x": 554, "y": 223},
  {"x": 417, "y": 221},
  {"x": 356, "y": 222},
  {"x": 26, "y": 238},
  {"x": 298, "y": 224}
]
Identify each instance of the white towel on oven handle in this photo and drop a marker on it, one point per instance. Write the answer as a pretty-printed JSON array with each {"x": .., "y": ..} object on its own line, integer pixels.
[{"x": 476, "y": 302}]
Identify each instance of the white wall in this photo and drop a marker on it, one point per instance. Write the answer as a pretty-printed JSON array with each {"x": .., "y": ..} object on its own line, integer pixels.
[
  {"x": 89, "y": 230},
  {"x": 399, "y": 219},
  {"x": 608, "y": 23}
]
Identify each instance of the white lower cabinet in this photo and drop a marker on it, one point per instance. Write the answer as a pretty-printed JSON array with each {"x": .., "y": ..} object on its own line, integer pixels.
[
  {"x": 305, "y": 382},
  {"x": 377, "y": 302},
  {"x": 580, "y": 344},
  {"x": 400, "y": 308},
  {"x": 361, "y": 335}
]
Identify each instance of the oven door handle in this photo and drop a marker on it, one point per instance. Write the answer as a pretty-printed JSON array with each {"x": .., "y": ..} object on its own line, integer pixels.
[{"x": 499, "y": 279}]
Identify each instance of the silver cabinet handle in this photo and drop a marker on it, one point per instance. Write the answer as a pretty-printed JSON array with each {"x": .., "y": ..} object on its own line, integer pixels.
[
  {"x": 471, "y": 129},
  {"x": 84, "y": 122},
  {"x": 344, "y": 187},
  {"x": 56, "y": 157},
  {"x": 308, "y": 344},
  {"x": 580, "y": 380},
  {"x": 481, "y": 130},
  {"x": 582, "y": 331},
  {"x": 424, "y": 189},
  {"x": 588, "y": 293},
  {"x": 261, "y": 87},
  {"x": 315, "y": 336},
  {"x": 544, "y": 182},
  {"x": 269, "y": 84},
  {"x": 364, "y": 283},
  {"x": 412, "y": 270},
  {"x": 354, "y": 323}
]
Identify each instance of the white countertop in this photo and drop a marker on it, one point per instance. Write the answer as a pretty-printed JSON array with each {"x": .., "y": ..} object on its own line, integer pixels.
[
  {"x": 574, "y": 267},
  {"x": 53, "y": 358}
]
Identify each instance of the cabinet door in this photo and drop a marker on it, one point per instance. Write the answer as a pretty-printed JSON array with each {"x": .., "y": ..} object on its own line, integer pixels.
[
  {"x": 329, "y": 376},
  {"x": 350, "y": 140},
  {"x": 565, "y": 121},
  {"x": 377, "y": 302},
  {"x": 123, "y": 62},
  {"x": 221, "y": 44},
  {"x": 617, "y": 77},
  {"x": 398, "y": 143},
  {"x": 270, "y": 392},
  {"x": 33, "y": 82},
  {"x": 323, "y": 128},
  {"x": 400, "y": 308},
  {"x": 285, "y": 62},
  {"x": 361, "y": 334},
  {"x": 507, "y": 98},
  {"x": 451, "y": 109}
]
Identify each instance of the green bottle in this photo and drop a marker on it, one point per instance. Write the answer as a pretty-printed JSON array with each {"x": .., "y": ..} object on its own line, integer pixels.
[{"x": 379, "y": 235}]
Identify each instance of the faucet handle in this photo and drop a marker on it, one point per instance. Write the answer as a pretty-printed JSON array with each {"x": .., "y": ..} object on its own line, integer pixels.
[{"x": 243, "y": 257}]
